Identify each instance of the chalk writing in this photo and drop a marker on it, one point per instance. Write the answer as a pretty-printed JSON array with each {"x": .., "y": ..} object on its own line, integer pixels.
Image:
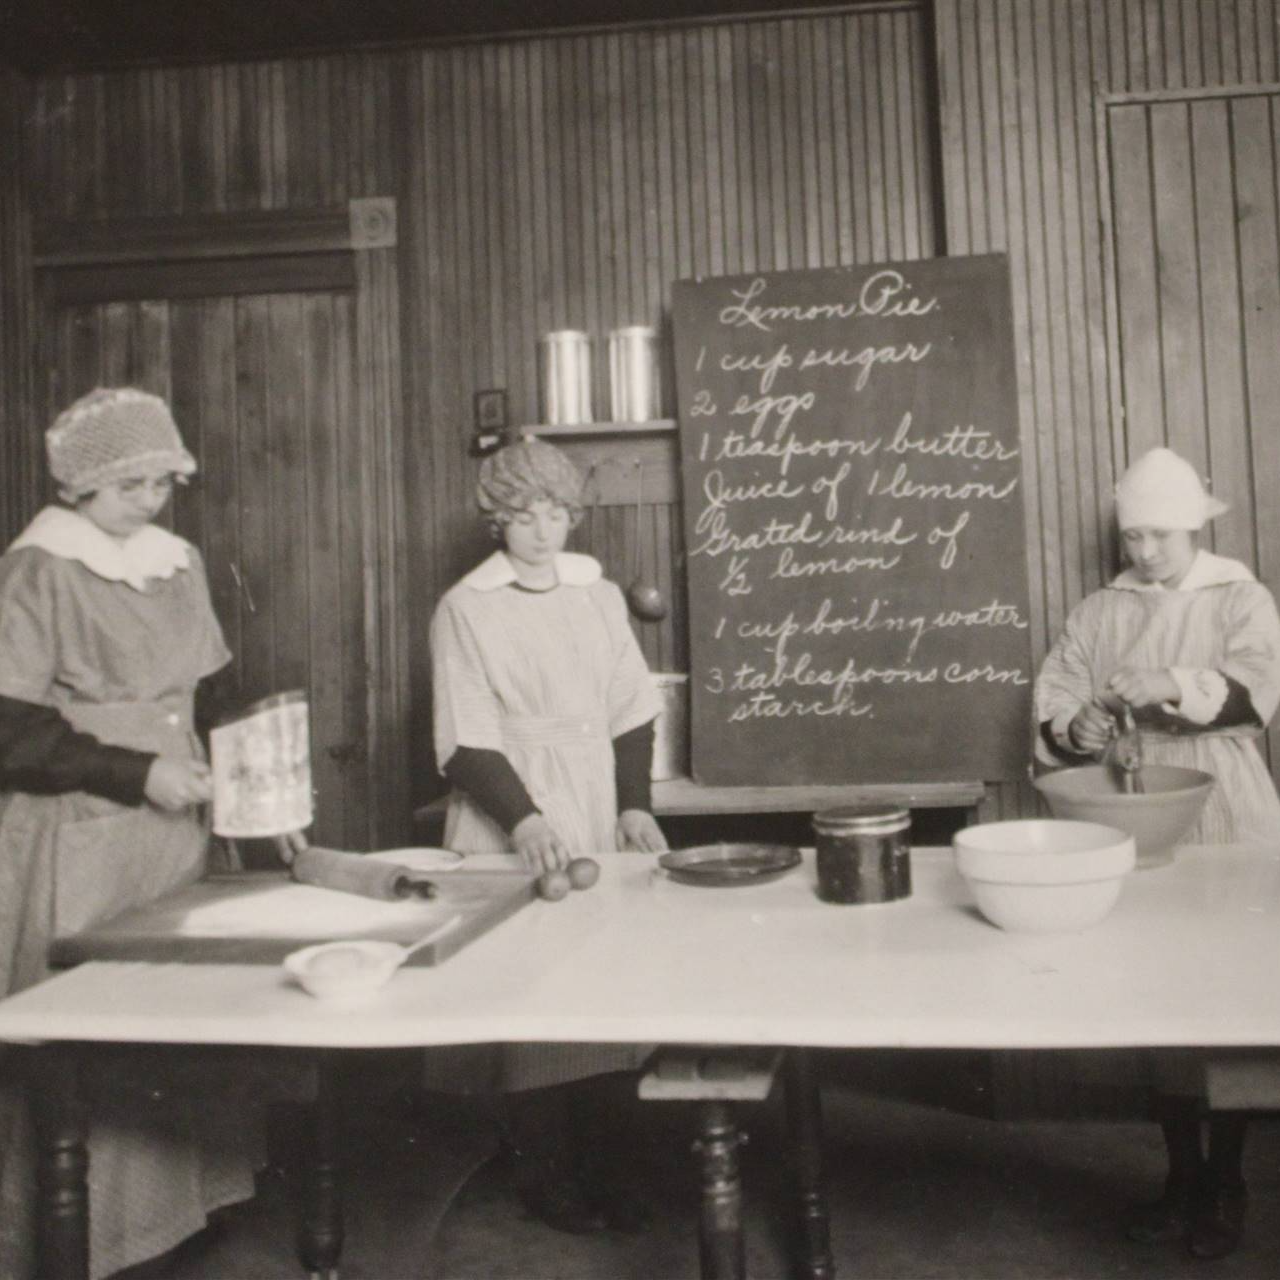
[{"x": 854, "y": 527}]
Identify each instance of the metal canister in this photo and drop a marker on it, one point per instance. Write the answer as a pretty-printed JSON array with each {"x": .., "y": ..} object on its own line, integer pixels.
[
  {"x": 633, "y": 373},
  {"x": 864, "y": 853},
  {"x": 566, "y": 377}
]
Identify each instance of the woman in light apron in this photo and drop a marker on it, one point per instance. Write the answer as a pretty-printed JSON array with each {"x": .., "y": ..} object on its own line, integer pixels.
[
  {"x": 1191, "y": 642},
  {"x": 544, "y": 713},
  {"x": 106, "y": 628}
]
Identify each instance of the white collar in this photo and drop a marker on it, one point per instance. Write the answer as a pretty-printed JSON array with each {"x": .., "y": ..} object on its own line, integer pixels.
[
  {"x": 572, "y": 570},
  {"x": 1207, "y": 570},
  {"x": 152, "y": 552}
]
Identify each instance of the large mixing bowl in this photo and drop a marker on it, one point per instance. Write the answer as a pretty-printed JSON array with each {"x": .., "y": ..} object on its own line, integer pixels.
[
  {"x": 1157, "y": 818},
  {"x": 1044, "y": 875}
]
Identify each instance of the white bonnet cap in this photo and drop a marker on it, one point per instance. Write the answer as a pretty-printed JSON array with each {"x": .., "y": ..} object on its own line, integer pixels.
[{"x": 1163, "y": 491}]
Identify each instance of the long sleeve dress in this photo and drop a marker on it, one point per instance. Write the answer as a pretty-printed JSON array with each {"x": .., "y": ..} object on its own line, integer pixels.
[
  {"x": 87, "y": 632},
  {"x": 1220, "y": 620},
  {"x": 549, "y": 679}
]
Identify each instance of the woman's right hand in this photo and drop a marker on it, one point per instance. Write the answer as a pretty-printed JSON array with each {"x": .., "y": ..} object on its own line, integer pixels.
[
  {"x": 538, "y": 845},
  {"x": 1092, "y": 728},
  {"x": 174, "y": 785}
]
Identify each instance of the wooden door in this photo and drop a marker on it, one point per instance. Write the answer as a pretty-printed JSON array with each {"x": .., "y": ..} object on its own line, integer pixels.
[
  {"x": 261, "y": 360},
  {"x": 1195, "y": 252}
]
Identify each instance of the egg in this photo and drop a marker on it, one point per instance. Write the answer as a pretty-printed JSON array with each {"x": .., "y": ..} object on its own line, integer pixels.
[
  {"x": 553, "y": 885},
  {"x": 583, "y": 872}
]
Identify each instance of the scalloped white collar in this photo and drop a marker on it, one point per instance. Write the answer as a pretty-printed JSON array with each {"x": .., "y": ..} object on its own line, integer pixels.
[
  {"x": 572, "y": 570},
  {"x": 1207, "y": 570},
  {"x": 152, "y": 552}
]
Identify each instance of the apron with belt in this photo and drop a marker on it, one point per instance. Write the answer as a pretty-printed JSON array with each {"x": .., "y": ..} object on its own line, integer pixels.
[{"x": 566, "y": 764}]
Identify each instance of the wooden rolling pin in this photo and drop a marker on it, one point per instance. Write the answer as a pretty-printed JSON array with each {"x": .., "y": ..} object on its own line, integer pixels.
[{"x": 353, "y": 872}]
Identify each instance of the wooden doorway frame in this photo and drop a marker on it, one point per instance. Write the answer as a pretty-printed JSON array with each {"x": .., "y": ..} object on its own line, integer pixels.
[{"x": 350, "y": 247}]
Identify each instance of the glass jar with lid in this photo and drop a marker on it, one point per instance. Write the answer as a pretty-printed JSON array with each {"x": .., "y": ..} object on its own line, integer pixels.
[{"x": 863, "y": 853}]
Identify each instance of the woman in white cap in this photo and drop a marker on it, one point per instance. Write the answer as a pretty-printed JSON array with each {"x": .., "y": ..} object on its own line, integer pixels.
[
  {"x": 1191, "y": 642},
  {"x": 106, "y": 627},
  {"x": 544, "y": 714}
]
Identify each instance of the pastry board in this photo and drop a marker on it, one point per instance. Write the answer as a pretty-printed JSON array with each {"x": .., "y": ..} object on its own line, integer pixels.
[{"x": 258, "y": 917}]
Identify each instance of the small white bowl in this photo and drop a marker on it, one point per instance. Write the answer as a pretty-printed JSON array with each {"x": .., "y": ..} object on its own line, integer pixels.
[
  {"x": 344, "y": 970},
  {"x": 1044, "y": 875}
]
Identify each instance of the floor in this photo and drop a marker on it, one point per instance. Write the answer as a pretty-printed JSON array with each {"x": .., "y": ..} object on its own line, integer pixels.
[{"x": 919, "y": 1186}]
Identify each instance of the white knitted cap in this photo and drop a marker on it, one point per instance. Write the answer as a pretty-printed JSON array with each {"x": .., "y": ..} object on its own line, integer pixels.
[
  {"x": 111, "y": 433},
  {"x": 1163, "y": 491}
]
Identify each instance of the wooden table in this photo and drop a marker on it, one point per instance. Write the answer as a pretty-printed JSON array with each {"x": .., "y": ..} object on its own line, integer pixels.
[{"x": 1188, "y": 957}]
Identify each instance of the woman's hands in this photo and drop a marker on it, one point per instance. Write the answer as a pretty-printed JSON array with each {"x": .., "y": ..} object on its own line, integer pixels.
[
  {"x": 174, "y": 785},
  {"x": 1144, "y": 688},
  {"x": 638, "y": 829},
  {"x": 1092, "y": 728},
  {"x": 1094, "y": 725},
  {"x": 538, "y": 844}
]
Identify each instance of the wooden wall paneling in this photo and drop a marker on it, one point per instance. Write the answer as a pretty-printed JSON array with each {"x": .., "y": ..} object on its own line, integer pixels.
[
  {"x": 872, "y": 91},
  {"x": 255, "y": 569},
  {"x": 182, "y": 377},
  {"x": 1180, "y": 338},
  {"x": 387, "y": 649},
  {"x": 1140, "y": 372},
  {"x": 1254, "y": 131},
  {"x": 1059, "y": 477},
  {"x": 213, "y": 400},
  {"x": 1228, "y": 461},
  {"x": 290, "y": 514},
  {"x": 324, "y": 498},
  {"x": 1072, "y": 400},
  {"x": 512, "y": 291},
  {"x": 21, "y": 443},
  {"x": 349, "y": 526},
  {"x": 721, "y": 74}
]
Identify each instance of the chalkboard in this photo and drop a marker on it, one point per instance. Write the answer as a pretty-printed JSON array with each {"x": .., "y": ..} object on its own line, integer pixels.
[{"x": 853, "y": 507}]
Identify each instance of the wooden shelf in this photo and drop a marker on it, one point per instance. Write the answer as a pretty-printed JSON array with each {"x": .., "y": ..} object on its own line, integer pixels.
[
  {"x": 655, "y": 426},
  {"x": 683, "y": 796}
]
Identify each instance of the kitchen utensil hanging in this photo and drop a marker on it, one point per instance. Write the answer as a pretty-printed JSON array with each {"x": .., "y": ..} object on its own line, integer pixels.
[{"x": 644, "y": 599}]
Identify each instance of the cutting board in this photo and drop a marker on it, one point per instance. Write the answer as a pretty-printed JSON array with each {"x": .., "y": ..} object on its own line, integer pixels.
[{"x": 258, "y": 917}]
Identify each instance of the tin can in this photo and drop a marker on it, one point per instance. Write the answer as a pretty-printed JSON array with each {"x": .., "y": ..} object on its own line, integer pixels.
[
  {"x": 633, "y": 374},
  {"x": 864, "y": 853},
  {"x": 566, "y": 378}
]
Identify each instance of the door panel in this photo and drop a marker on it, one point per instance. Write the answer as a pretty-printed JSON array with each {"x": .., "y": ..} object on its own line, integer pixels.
[
  {"x": 1197, "y": 293},
  {"x": 263, "y": 390}
]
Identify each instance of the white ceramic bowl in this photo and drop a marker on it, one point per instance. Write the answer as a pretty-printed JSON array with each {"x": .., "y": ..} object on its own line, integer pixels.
[
  {"x": 1044, "y": 875},
  {"x": 344, "y": 970}
]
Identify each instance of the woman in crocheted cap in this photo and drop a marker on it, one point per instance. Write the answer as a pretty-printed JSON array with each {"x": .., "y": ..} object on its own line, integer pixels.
[
  {"x": 106, "y": 628},
  {"x": 544, "y": 713},
  {"x": 1191, "y": 642},
  {"x": 539, "y": 682}
]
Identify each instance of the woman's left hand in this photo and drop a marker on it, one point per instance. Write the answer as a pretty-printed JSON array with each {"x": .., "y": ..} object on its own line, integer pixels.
[
  {"x": 639, "y": 830},
  {"x": 1143, "y": 688}
]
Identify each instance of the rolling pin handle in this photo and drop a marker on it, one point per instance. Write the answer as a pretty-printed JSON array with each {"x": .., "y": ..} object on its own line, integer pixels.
[{"x": 409, "y": 886}]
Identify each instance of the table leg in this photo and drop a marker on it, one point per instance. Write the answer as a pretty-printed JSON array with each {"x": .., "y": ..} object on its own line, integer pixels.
[
  {"x": 720, "y": 1221},
  {"x": 320, "y": 1232},
  {"x": 62, "y": 1193},
  {"x": 804, "y": 1117}
]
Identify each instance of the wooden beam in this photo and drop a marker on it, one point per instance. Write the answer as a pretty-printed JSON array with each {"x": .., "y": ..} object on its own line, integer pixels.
[
  {"x": 201, "y": 278},
  {"x": 182, "y": 237}
]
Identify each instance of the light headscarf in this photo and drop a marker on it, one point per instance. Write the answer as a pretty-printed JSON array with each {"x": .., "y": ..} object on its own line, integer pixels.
[
  {"x": 1163, "y": 491},
  {"x": 520, "y": 474}
]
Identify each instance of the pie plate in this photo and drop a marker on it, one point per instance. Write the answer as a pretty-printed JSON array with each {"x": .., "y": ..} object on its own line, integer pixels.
[{"x": 722, "y": 866}]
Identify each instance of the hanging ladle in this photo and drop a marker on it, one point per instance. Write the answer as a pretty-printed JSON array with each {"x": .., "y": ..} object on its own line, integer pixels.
[{"x": 643, "y": 598}]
